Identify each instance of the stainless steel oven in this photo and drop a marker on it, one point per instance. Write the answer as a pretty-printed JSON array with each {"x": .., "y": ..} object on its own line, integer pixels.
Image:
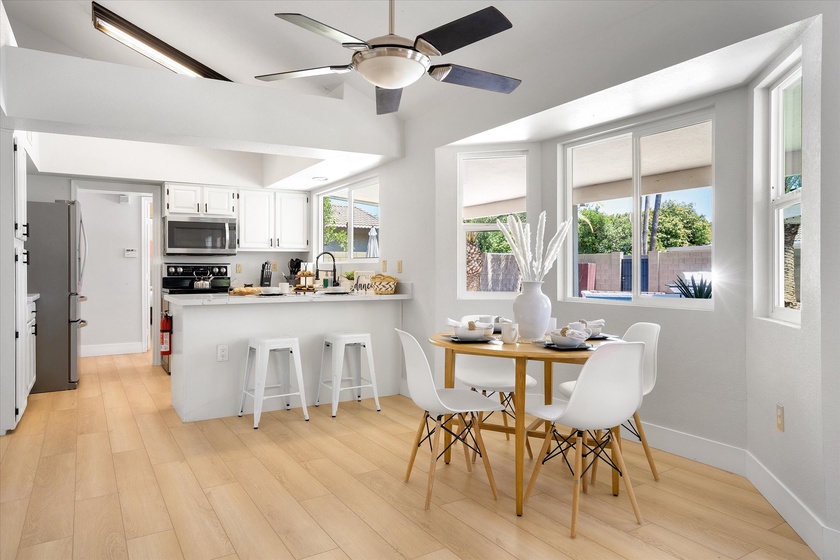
[{"x": 194, "y": 235}]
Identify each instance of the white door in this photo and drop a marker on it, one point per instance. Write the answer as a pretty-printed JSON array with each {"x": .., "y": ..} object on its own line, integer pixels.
[
  {"x": 219, "y": 201},
  {"x": 256, "y": 220},
  {"x": 292, "y": 223},
  {"x": 23, "y": 384},
  {"x": 183, "y": 199}
]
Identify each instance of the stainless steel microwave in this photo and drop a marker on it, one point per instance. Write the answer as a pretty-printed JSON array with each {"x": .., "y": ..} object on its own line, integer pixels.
[{"x": 194, "y": 235}]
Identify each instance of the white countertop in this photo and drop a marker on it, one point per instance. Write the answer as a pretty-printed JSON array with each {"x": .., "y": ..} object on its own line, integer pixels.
[{"x": 318, "y": 297}]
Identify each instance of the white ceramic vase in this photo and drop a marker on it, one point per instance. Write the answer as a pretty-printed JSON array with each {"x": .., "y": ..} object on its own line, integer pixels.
[{"x": 532, "y": 310}]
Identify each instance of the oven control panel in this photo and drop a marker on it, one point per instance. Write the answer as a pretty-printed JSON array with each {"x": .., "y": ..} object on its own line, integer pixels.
[{"x": 196, "y": 270}]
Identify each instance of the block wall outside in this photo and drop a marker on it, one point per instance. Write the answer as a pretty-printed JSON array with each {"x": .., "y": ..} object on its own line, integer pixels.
[{"x": 663, "y": 267}]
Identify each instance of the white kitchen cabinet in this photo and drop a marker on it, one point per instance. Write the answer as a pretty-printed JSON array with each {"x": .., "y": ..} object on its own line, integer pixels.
[
  {"x": 24, "y": 335},
  {"x": 292, "y": 220},
  {"x": 219, "y": 201},
  {"x": 273, "y": 221},
  {"x": 256, "y": 220},
  {"x": 21, "y": 222},
  {"x": 199, "y": 200}
]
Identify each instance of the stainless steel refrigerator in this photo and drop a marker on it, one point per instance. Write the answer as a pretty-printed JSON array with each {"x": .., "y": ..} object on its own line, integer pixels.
[{"x": 57, "y": 252}]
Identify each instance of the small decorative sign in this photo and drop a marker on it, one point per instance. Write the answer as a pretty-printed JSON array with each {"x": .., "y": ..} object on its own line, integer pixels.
[
  {"x": 131, "y": 253},
  {"x": 364, "y": 286}
]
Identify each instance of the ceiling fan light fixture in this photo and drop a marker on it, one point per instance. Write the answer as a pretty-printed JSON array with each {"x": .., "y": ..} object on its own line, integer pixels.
[{"x": 391, "y": 67}]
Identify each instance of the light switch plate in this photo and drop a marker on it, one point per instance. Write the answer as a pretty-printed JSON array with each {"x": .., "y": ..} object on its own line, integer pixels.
[{"x": 384, "y": 265}]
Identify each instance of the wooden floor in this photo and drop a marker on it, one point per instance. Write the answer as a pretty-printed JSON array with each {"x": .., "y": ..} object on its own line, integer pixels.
[{"x": 110, "y": 471}]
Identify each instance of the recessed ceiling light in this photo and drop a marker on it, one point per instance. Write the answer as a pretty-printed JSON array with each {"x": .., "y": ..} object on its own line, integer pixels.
[{"x": 148, "y": 45}]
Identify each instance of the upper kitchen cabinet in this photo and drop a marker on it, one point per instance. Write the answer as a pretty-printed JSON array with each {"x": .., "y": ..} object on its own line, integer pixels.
[
  {"x": 273, "y": 221},
  {"x": 198, "y": 200},
  {"x": 292, "y": 213}
]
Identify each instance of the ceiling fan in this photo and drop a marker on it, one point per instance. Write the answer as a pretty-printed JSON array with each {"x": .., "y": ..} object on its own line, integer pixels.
[{"x": 391, "y": 62}]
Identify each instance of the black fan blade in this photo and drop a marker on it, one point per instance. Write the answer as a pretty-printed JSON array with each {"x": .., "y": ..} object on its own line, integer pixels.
[
  {"x": 463, "y": 76},
  {"x": 462, "y": 32},
  {"x": 323, "y": 70},
  {"x": 325, "y": 30},
  {"x": 387, "y": 100}
]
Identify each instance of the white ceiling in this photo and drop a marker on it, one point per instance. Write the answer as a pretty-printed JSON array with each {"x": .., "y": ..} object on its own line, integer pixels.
[{"x": 242, "y": 39}]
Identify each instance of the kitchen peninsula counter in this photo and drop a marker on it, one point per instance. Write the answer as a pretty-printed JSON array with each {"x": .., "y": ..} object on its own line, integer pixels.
[{"x": 206, "y": 327}]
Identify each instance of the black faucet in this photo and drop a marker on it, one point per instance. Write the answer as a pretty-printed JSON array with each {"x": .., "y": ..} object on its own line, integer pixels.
[{"x": 317, "y": 271}]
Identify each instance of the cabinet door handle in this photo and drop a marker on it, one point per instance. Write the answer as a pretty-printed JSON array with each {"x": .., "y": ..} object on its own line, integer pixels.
[
  {"x": 278, "y": 241},
  {"x": 271, "y": 242},
  {"x": 197, "y": 207},
  {"x": 26, "y": 257},
  {"x": 205, "y": 207},
  {"x": 26, "y": 230}
]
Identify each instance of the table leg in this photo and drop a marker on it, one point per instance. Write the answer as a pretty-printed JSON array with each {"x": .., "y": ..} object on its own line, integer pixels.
[
  {"x": 519, "y": 443},
  {"x": 548, "y": 386},
  {"x": 449, "y": 383}
]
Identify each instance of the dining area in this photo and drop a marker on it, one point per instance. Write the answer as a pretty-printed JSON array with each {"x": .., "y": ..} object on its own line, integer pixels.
[{"x": 615, "y": 372}]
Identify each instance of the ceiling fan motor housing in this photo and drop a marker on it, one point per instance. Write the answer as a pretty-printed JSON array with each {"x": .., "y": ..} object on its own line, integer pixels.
[{"x": 391, "y": 62}]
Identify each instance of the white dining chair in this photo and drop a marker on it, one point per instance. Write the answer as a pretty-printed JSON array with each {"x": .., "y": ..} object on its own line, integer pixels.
[
  {"x": 451, "y": 410},
  {"x": 608, "y": 390},
  {"x": 480, "y": 373},
  {"x": 649, "y": 334}
]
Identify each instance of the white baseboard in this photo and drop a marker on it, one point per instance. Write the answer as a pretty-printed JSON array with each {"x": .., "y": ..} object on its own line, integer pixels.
[
  {"x": 111, "y": 349},
  {"x": 824, "y": 541},
  {"x": 696, "y": 448}
]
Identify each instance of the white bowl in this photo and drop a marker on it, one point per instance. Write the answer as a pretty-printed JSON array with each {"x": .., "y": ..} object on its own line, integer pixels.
[
  {"x": 596, "y": 330},
  {"x": 564, "y": 341},
  {"x": 270, "y": 290},
  {"x": 464, "y": 333}
]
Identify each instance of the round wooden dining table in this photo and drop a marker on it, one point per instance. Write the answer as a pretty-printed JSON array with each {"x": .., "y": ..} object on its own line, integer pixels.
[{"x": 520, "y": 353}]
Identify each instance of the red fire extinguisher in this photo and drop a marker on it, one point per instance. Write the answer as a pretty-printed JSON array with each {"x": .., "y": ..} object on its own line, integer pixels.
[{"x": 165, "y": 334}]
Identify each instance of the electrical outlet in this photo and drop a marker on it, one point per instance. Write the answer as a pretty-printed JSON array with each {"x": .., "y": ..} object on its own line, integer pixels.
[
  {"x": 384, "y": 265},
  {"x": 399, "y": 267},
  {"x": 221, "y": 352},
  {"x": 780, "y": 418},
  {"x": 238, "y": 268},
  {"x": 274, "y": 266}
]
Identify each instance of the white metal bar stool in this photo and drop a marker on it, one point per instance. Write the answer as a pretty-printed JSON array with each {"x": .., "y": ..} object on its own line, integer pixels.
[
  {"x": 260, "y": 349},
  {"x": 341, "y": 346}
]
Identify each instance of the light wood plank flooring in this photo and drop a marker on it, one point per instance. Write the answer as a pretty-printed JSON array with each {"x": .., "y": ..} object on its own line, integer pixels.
[{"x": 110, "y": 471}]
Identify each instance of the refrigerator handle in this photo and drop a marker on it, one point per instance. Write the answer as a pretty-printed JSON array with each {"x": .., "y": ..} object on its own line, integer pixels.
[{"x": 83, "y": 236}]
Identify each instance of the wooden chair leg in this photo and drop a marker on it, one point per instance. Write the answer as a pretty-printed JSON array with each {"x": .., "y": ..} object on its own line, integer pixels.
[
  {"x": 598, "y": 435},
  {"x": 504, "y": 413},
  {"x": 485, "y": 459},
  {"x": 538, "y": 465},
  {"x": 433, "y": 463},
  {"x": 467, "y": 458},
  {"x": 619, "y": 458},
  {"x": 615, "y": 443},
  {"x": 416, "y": 445},
  {"x": 645, "y": 446},
  {"x": 576, "y": 486}
]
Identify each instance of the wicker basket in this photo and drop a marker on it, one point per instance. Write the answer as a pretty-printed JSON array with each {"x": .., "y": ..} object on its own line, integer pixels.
[{"x": 383, "y": 284}]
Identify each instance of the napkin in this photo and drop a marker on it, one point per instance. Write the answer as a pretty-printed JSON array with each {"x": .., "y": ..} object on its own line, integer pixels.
[
  {"x": 454, "y": 323},
  {"x": 596, "y": 323},
  {"x": 580, "y": 335}
]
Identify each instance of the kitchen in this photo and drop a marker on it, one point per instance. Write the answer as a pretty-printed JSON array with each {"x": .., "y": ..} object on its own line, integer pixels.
[{"x": 419, "y": 197}]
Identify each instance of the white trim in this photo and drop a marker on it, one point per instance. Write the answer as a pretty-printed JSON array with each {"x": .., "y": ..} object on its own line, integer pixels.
[
  {"x": 823, "y": 540},
  {"x": 697, "y": 448},
  {"x": 111, "y": 349}
]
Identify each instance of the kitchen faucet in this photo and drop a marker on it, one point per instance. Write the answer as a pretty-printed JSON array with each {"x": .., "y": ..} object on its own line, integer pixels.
[{"x": 317, "y": 271}]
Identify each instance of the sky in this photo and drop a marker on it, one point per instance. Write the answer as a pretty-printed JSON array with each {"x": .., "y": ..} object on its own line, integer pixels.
[{"x": 701, "y": 198}]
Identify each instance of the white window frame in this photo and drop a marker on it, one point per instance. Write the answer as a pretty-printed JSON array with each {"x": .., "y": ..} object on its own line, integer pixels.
[
  {"x": 566, "y": 289},
  {"x": 319, "y": 214},
  {"x": 464, "y": 228},
  {"x": 779, "y": 200}
]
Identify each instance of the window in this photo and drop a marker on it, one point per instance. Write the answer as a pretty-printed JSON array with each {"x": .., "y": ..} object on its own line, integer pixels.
[
  {"x": 491, "y": 186},
  {"x": 642, "y": 202},
  {"x": 349, "y": 221},
  {"x": 786, "y": 193}
]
